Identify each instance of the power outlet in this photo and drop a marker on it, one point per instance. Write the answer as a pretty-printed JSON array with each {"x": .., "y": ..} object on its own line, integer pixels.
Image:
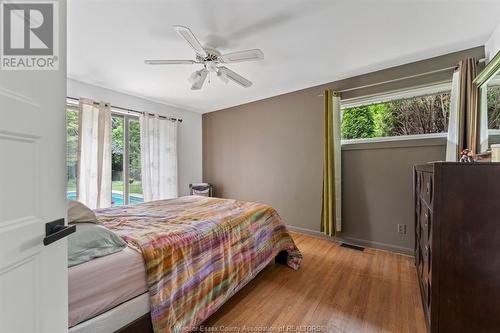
[{"x": 402, "y": 228}]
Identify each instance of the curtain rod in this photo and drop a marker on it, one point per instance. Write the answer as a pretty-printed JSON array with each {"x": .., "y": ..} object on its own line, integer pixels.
[
  {"x": 401, "y": 78},
  {"x": 129, "y": 111}
]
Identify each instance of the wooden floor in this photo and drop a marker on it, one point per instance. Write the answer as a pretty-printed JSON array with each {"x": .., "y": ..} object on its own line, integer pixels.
[{"x": 336, "y": 290}]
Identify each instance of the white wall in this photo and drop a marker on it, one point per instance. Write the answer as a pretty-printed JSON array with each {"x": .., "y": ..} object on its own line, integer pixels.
[
  {"x": 492, "y": 46},
  {"x": 190, "y": 130}
]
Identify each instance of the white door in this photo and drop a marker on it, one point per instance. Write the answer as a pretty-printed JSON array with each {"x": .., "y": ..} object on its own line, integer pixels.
[{"x": 33, "y": 277}]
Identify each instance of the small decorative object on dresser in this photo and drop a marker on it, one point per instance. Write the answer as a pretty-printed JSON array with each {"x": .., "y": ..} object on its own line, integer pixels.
[
  {"x": 457, "y": 245},
  {"x": 466, "y": 156}
]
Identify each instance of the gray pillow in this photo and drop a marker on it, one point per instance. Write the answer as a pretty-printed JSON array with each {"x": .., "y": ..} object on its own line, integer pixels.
[
  {"x": 78, "y": 212},
  {"x": 92, "y": 241}
]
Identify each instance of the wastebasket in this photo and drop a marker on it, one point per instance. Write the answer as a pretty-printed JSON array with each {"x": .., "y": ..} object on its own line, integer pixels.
[{"x": 203, "y": 189}]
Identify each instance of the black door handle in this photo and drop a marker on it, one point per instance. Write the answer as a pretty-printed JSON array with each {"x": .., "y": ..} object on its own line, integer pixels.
[{"x": 56, "y": 230}]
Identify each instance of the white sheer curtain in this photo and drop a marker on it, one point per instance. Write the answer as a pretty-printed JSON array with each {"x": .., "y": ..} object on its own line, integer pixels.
[
  {"x": 454, "y": 120},
  {"x": 158, "y": 157},
  {"x": 483, "y": 120},
  {"x": 94, "y": 154}
]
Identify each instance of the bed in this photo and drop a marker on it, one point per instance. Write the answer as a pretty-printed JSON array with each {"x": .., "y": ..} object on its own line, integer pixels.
[{"x": 185, "y": 258}]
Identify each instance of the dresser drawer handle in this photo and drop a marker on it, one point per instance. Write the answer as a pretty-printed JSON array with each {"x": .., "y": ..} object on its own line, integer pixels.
[{"x": 428, "y": 187}]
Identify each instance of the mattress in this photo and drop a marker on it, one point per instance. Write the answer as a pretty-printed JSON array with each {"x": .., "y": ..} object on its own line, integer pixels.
[
  {"x": 116, "y": 318},
  {"x": 103, "y": 283}
]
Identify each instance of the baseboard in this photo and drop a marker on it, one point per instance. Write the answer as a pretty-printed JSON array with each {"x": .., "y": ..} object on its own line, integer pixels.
[
  {"x": 354, "y": 241},
  {"x": 308, "y": 232},
  {"x": 376, "y": 245}
]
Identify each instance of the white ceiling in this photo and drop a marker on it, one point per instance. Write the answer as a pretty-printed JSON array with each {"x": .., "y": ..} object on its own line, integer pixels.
[{"x": 305, "y": 42}]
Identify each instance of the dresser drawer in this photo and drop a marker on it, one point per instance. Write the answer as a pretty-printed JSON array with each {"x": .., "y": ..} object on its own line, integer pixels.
[
  {"x": 424, "y": 217},
  {"x": 418, "y": 205},
  {"x": 418, "y": 182},
  {"x": 419, "y": 261},
  {"x": 426, "y": 264},
  {"x": 425, "y": 220},
  {"x": 426, "y": 187}
]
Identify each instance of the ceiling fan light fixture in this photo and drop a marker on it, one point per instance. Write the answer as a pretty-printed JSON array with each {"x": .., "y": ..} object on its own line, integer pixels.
[
  {"x": 222, "y": 76},
  {"x": 201, "y": 77},
  {"x": 195, "y": 77},
  {"x": 211, "y": 66}
]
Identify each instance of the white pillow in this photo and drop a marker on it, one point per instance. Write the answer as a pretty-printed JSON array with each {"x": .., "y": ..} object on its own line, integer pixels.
[
  {"x": 92, "y": 241},
  {"x": 78, "y": 212}
]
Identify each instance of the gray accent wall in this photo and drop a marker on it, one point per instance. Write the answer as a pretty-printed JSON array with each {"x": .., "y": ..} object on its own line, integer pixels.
[
  {"x": 377, "y": 190},
  {"x": 271, "y": 151}
]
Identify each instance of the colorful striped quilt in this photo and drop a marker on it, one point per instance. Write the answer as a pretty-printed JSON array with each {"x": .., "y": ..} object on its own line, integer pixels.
[{"x": 199, "y": 252}]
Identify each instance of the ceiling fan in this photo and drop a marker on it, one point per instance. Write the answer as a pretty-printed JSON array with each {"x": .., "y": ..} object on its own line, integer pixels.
[{"x": 212, "y": 61}]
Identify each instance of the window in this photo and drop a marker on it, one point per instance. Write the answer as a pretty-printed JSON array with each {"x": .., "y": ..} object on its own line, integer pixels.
[
  {"x": 134, "y": 162},
  {"x": 493, "y": 103},
  {"x": 117, "y": 152},
  {"x": 125, "y": 156},
  {"x": 492, "y": 100},
  {"x": 71, "y": 150},
  {"x": 422, "y": 111}
]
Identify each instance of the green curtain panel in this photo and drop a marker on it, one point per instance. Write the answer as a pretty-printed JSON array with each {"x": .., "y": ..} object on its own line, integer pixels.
[{"x": 331, "y": 207}]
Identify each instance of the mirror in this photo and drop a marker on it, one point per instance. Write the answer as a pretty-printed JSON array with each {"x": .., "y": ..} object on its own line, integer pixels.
[{"x": 488, "y": 85}]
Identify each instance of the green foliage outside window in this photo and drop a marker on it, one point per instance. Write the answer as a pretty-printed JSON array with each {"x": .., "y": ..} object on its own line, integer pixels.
[
  {"x": 117, "y": 143},
  {"x": 409, "y": 116},
  {"x": 417, "y": 115},
  {"x": 117, "y": 148},
  {"x": 135, "y": 149},
  {"x": 358, "y": 123},
  {"x": 71, "y": 147},
  {"x": 493, "y": 102}
]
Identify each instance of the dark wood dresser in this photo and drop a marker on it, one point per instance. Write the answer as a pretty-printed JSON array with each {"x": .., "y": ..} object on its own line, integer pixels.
[{"x": 457, "y": 245}]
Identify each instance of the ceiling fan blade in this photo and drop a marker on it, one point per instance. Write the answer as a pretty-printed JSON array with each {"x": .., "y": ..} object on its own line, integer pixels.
[
  {"x": 198, "y": 83},
  {"x": 235, "y": 77},
  {"x": 240, "y": 56},
  {"x": 191, "y": 39},
  {"x": 169, "y": 62}
]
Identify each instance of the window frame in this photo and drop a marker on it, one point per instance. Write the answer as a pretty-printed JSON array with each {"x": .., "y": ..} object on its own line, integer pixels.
[
  {"x": 496, "y": 83},
  {"x": 73, "y": 105},
  {"x": 423, "y": 90}
]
